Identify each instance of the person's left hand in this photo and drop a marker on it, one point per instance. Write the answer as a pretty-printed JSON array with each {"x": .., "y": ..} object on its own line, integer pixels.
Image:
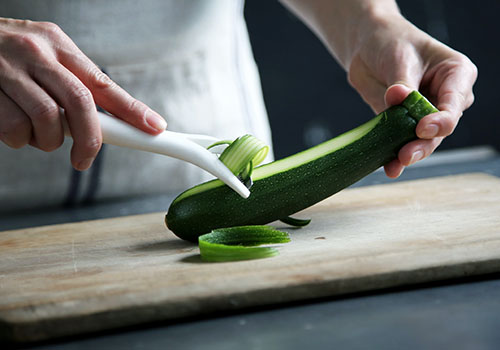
[{"x": 396, "y": 58}]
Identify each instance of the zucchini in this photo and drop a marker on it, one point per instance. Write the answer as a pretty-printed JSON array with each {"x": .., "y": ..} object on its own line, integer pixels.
[{"x": 286, "y": 186}]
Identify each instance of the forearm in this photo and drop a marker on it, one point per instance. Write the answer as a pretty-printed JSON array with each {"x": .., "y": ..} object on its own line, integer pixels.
[
  {"x": 342, "y": 25},
  {"x": 386, "y": 57}
]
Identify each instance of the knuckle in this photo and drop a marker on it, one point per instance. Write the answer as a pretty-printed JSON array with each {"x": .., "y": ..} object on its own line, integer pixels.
[
  {"x": 137, "y": 107},
  {"x": 51, "y": 29},
  {"x": 26, "y": 42},
  {"x": 472, "y": 67},
  {"x": 91, "y": 145},
  {"x": 352, "y": 78},
  {"x": 45, "y": 111},
  {"x": 467, "y": 64},
  {"x": 352, "y": 73},
  {"x": 100, "y": 80},
  {"x": 463, "y": 99},
  {"x": 82, "y": 97},
  {"x": 456, "y": 99},
  {"x": 470, "y": 100},
  {"x": 463, "y": 60}
]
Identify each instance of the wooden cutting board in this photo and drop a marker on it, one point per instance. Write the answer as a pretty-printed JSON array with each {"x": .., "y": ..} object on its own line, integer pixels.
[{"x": 81, "y": 277}]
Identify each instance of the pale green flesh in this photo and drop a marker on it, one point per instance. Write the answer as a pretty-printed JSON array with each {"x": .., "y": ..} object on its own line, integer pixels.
[
  {"x": 220, "y": 252},
  {"x": 242, "y": 151},
  {"x": 298, "y": 159},
  {"x": 315, "y": 152}
]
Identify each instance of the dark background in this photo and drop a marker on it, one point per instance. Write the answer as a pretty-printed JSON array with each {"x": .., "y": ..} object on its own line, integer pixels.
[{"x": 306, "y": 92}]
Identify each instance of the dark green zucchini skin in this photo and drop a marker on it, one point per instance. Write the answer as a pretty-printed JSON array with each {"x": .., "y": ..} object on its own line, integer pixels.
[{"x": 286, "y": 192}]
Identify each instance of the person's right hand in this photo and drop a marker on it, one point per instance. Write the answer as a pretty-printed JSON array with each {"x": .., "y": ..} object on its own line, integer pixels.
[{"x": 41, "y": 70}]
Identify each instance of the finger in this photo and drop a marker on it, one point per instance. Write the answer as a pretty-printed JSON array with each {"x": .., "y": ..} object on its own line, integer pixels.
[
  {"x": 15, "y": 126},
  {"x": 452, "y": 90},
  {"x": 395, "y": 94},
  {"x": 111, "y": 96},
  {"x": 402, "y": 77},
  {"x": 80, "y": 111},
  {"x": 417, "y": 150},
  {"x": 394, "y": 168},
  {"x": 439, "y": 124},
  {"x": 455, "y": 91},
  {"x": 407, "y": 71},
  {"x": 39, "y": 106}
]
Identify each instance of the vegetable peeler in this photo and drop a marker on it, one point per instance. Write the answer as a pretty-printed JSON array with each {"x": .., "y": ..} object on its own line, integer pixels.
[{"x": 191, "y": 148}]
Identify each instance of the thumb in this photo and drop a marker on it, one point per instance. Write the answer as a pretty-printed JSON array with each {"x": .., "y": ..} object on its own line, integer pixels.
[
  {"x": 396, "y": 93},
  {"x": 402, "y": 79}
]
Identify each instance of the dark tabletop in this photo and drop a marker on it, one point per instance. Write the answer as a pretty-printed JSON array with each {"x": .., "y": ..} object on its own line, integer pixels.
[{"x": 456, "y": 314}]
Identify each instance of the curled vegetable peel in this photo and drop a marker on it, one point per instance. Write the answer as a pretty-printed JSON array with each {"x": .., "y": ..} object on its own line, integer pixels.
[
  {"x": 242, "y": 155},
  {"x": 240, "y": 243}
]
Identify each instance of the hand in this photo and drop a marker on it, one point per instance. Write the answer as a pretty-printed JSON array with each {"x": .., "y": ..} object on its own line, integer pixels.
[
  {"x": 41, "y": 70},
  {"x": 395, "y": 58}
]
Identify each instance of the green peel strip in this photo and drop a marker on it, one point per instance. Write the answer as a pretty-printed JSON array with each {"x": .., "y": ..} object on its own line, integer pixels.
[
  {"x": 243, "y": 154},
  {"x": 240, "y": 243}
]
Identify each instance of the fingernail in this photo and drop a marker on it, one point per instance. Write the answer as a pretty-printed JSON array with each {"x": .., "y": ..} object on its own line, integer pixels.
[
  {"x": 416, "y": 156},
  {"x": 155, "y": 121},
  {"x": 85, "y": 164},
  {"x": 400, "y": 172},
  {"x": 430, "y": 131}
]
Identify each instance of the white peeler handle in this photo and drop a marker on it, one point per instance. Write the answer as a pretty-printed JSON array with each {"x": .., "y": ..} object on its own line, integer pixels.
[{"x": 188, "y": 147}]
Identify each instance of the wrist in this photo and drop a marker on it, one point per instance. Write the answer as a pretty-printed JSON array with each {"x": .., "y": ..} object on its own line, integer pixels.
[
  {"x": 363, "y": 21},
  {"x": 344, "y": 25}
]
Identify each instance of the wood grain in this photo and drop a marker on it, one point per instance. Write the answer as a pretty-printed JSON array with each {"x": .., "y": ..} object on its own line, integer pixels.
[{"x": 73, "y": 278}]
